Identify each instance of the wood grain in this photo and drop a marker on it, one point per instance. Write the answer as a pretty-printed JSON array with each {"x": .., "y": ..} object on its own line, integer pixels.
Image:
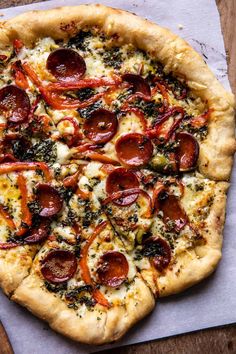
[
  {"x": 212, "y": 341},
  {"x": 227, "y": 9},
  {"x": 5, "y": 346}
]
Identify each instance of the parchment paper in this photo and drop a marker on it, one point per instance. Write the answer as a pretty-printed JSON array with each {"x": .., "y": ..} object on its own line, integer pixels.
[{"x": 209, "y": 304}]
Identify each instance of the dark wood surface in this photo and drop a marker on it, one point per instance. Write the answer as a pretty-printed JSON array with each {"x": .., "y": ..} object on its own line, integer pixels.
[
  {"x": 212, "y": 341},
  {"x": 5, "y": 346}
]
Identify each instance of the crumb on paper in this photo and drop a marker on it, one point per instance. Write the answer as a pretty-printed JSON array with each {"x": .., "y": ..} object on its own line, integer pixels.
[
  {"x": 180, "y": 26},
  {"x": 1, "y": 15}
]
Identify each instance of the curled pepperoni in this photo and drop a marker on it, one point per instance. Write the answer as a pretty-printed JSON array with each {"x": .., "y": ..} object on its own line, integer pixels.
[
  {"x": 173, "y": 215},
  {"x": 66, "y": 65},
  {"x": 49, "y": 200},
  {"x": 187, "y": 151},
  {"x": 159, "y": 250},
  {"x": 139, "y": 84},
  {"x": 59, "y": 266},
  {"x": 113, "y": 269},
  {"x": 14, "y": 103},
  {"x": 38, "y": 234},
  {"x": 101, "y": 126},
  {"x": 134, "y": 149},
  {"x": 121, "y": 179}
]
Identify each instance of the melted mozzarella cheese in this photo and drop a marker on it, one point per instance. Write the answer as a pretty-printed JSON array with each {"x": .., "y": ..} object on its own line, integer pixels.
[
  {"x": 130, "y": 124},
  {"x": 93, "y": 170},
  {"x": 66, "y": 232},
  {"x": 63, "y": 152}
]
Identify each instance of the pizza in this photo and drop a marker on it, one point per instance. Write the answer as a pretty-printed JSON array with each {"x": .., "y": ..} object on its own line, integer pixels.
[{"x": 116, "y": 148}]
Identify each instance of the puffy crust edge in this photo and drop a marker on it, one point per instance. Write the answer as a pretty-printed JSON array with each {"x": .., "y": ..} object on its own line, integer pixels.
[
  {"x": 13, "y": 269},
  {"x": 111, "y": 326},
  {"x": 216, "y": 155},
  {"x": 203, "y": 260}
]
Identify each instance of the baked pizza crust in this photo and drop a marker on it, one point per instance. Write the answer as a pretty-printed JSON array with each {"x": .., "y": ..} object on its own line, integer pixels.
[
  {"x": 216, "y": 153},
  {"x": 15, "y": 265},
  {"x": 215, "y": 162},
  {"x": 101, "y": 325},
  {"x": 194, "y": 264}
]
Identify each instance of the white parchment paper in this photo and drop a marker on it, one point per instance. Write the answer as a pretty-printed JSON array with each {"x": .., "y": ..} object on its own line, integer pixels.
[{"x": 209, "y": 304}]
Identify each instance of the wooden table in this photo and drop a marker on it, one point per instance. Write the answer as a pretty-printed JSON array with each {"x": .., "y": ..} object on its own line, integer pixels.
[{"x": 218, "y": 340}]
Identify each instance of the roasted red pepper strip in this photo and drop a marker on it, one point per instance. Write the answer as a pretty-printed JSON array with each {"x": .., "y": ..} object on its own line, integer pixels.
[
  {"x": 201, "y": 120},
  {"x": 7, "y": 158},
  {"x": 162, "y": 89},
  {"x": 95, "y": 156},
  {"x": 58, "y": 102},
  {"x": 19, "y": 76},
  {"x": 31, "y": 73},
  {"x": 8, "y": 245},
  {"x": 139, "y": 95},
  {"x": 159, "y": 187},
  {"x": 85, "y": 147},
  {"x": 154, "y": 132},
  {"x": 100, "y": 298},
  {"x": 51, "y": 98},
  {"x": 4, "y": 213},
  {"x": 148, "y": 213},
  {"x": 17, "y": 45},
  {"x": 8, "y": 167},
  {"x": 87, "y": 82},
  {"x": 126, "y": 107},
  {"x": 71, "y": 181},
  {"x": 121, "y": 194},
  {"x": 85, "y": 273},
  {"x": 168, "y": 134},
  {"x": 2, "y": 126},
  {"x": 54, "y": 99},
  {"x": 82, "y": 194},
  {"x": 25, "y": 213},
  {"x": 34, "y": 106}
]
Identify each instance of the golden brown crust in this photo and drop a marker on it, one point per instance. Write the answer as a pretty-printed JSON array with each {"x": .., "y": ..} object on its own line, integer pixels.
[
  {"x": 15, "y": 265},
  {"x": 97, "y": 326},
  {"x": 193, "y": 265},
  {"x": 216, "y": 156}
]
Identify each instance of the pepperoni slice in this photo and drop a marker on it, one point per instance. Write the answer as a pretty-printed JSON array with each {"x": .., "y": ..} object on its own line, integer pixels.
[
  {"x": 121, "y": 179},
  {"x": 173, "y": 215},
  {"x": 187, "y": 151},
  {"x": 38, "y": 234},
  {"x": 159, "y": 250},
  {"x": 59, "y": 266},
  {"x": 14, "y": 103},
  {"x": 113, "y": 269},
  {"x": 139, "y": 84},
  {"x": 66, "y": 65},
  {"x": 134, "y": 149},
  {"x": 101, "y": 126},
  {"x": 49, "y": 200}
]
